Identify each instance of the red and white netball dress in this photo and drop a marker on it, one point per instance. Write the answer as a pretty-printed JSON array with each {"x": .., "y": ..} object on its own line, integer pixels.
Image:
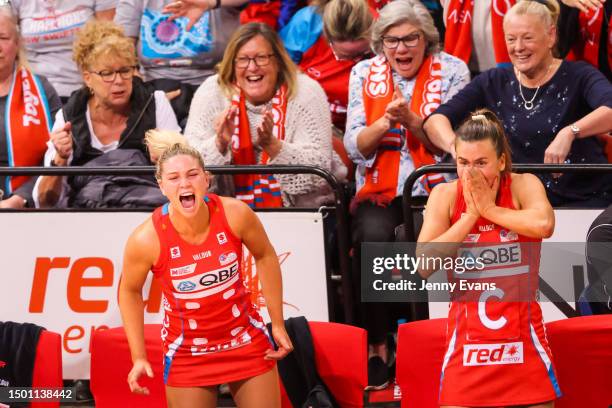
[
  {"x": 211, "y": 332},
  {"x": 497, "y": 353}
]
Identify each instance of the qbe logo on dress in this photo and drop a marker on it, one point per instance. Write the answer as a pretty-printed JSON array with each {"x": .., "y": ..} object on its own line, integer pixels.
[
  {"x": 175, "y": 252},
  {"x": 206, "y": 283},
  {"x": 492, "y": 354}
]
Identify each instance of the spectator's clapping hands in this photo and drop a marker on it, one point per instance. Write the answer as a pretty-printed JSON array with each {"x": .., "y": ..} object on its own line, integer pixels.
[
  {"x": 265, "y": 135},
  {"x": 62, "y": 141},
  {"x": 398, "y": 111},
  {"x": 224, "y": 128},
  {"x": 584, "y": 5},
  {"x": 192, "y": 9}
]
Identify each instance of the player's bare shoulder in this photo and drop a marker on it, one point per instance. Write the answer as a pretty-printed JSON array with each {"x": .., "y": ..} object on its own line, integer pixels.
[
  {"x": 525, "y": 183},
  {"x": 238, "y": 214},
  {"x": 143, "y": 241}
]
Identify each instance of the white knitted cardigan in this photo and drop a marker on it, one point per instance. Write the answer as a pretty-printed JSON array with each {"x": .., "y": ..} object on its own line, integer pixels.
[{"x": 307, "y": 137}]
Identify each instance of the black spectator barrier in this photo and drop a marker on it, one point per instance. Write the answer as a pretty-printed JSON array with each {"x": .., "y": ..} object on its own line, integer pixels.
[
  {"x": 340, "y": 207},
  {"x": 408, "y": 204}
]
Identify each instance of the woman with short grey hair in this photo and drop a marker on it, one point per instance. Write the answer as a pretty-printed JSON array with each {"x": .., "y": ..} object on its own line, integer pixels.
[
  {"x": 389, "y": 95},
  {"x": 407, "y": 11}
]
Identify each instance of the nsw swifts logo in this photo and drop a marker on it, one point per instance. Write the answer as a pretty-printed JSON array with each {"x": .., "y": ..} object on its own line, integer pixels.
[
  {"x": 378, "y": 80},
  {"x": 432, "y": 97},
  {"x": 492, "y": 354},
  {"x": 175, "y": 252},
  {"x": 221, "y": 238}
]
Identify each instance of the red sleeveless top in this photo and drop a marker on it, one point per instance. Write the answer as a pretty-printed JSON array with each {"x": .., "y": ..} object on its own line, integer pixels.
[
  {"x": 497, "y": 353},
  {"x": 211, "y": 331}
]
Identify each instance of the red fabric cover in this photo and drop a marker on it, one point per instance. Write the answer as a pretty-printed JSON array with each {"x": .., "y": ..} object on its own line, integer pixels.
[
  {"x": 341, "y": 359},
  {"x": 267, "y": 13},
  {"x": 420, "y": 352},
  {"x": 340, "y": 352},
  {"x": 48, "y": 365},
  {"x": 111, "y": 363},
  {"x": 582, "y": 354}
]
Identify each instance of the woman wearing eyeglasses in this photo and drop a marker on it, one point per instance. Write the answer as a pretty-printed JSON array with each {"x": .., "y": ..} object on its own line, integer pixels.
[
  {"x": 388, "y": 97},
  {"x": 111, "y": 113},
  {"x": 326, "y": 39},
  {"x": 259, "y": 110}
]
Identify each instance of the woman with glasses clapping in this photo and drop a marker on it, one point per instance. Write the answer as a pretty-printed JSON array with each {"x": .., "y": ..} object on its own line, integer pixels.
[
  {"x": 389, "y": 95},
  {"x": 259, "y": 110},
  {"x": 103, "y": 119}
]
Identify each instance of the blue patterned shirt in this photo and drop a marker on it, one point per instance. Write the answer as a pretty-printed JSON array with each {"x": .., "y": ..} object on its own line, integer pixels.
[{"x": 455, "y": 75}]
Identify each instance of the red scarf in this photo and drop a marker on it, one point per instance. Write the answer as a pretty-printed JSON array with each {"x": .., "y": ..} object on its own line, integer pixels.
[
  {"x": 255, "y": 189},
  {"x": 381, "y": 179},
  {"x": 458, "y": 37},
  {"x": 587, "y": 46},
  {"x": 27, "y": 124}
]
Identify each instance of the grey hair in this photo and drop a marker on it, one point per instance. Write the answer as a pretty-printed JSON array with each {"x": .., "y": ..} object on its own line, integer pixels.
[{"x": 405, "y": 11}]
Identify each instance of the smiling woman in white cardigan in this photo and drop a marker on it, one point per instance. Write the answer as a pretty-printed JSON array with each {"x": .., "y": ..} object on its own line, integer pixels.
[{"x": 259, "y": 110}]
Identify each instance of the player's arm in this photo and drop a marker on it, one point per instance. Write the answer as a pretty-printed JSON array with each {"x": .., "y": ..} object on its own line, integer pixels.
[
  {"x": 535, "y": 218},
  {"x": 246, "y": 225},
  {"x": 438, "y": 238},
  {"x": 141, "y": 252}
]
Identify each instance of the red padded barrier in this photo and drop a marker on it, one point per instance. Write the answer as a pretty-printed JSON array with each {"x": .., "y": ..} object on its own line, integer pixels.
[
  {"x": 111, "y": 363},
  {"x": 420, "y": 352},
  {"x": 582, "y": 354},
  {"x": 48, "y": 365},
  {"x": 341, "y": 359}
]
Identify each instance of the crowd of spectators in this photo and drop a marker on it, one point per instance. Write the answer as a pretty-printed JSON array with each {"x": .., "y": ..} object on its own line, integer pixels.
[{"x": 382, "y": 83}]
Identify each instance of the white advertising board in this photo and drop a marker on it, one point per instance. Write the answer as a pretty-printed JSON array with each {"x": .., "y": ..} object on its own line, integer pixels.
[{"x": 61, "y": 271}]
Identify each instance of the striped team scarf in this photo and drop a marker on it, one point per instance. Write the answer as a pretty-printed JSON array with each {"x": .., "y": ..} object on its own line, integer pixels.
[
  {"x": 458, "y": 37},
  {"x": 257, "y": 190},
  {"x": 27, "y": 124},
  {"x": 381, "y": 179}
]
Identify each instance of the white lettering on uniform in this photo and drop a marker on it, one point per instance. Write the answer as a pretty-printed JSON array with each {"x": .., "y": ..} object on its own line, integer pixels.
[
  {"x": 482, "y": 309},
  {"x": 207, "y": 283},
  {"x": 202, "y": 255},
  {"x": 183, "y": 270},
  {"x": 492, "y": 354}
]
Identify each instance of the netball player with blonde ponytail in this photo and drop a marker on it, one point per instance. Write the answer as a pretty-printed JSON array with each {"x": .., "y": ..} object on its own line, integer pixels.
[
  {"x": 211, "y": 334},
  {"x": 497, "y": 353}
]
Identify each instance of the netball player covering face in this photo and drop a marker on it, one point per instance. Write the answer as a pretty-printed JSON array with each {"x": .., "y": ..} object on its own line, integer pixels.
[
  {"x": 211, "y": 332},
  {"x": 496, "y": 352}
]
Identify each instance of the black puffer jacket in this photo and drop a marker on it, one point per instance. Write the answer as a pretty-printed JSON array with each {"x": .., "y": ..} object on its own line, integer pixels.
[{"x": 115, "y": 191}]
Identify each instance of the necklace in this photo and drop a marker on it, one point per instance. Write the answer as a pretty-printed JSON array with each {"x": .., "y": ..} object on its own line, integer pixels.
[{"x": 529, "y": 103}]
